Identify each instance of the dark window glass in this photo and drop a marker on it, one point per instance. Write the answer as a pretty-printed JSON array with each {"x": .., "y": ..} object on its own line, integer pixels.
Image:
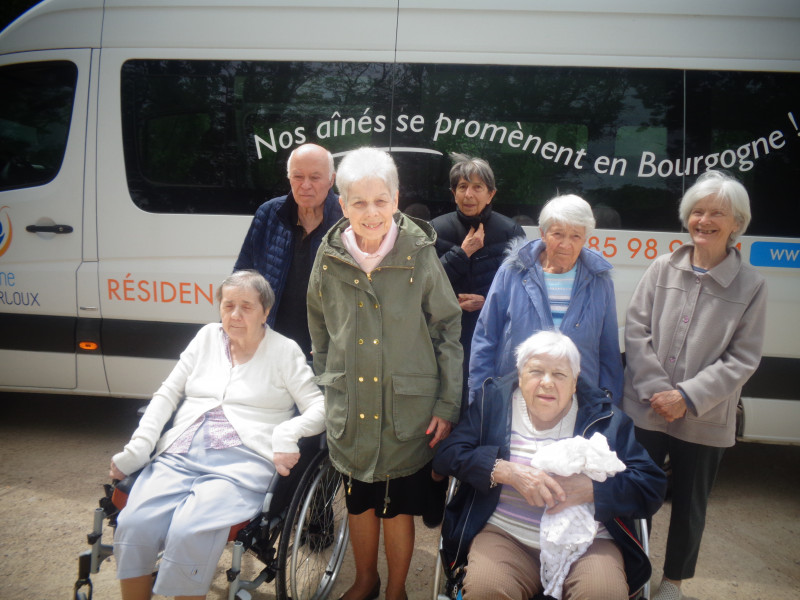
[
  {"x": 214, "y": 136},
  {"x": 543, "y": 131},
  {"x": 35, "y": 111},
  {"x": 748, "y": 122}
]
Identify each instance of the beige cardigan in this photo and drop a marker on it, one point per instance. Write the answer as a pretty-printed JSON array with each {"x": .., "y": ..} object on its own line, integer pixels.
[
  {"x": 260, "y": 398},
  {"x": 700, "y": 332}
]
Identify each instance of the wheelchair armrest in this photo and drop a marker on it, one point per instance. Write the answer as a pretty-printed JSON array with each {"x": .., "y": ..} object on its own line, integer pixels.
[{"x": 121, "y": 489}]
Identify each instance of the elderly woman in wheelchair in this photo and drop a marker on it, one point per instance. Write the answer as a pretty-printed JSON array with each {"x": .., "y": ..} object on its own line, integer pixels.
[
  {"x": 525, "y": 531},
  {"x": 239, "y": 400}
]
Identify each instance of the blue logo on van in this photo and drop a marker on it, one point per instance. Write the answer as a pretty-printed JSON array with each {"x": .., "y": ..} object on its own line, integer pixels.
[
  {"x": 775, "y": 254},
  {"x": 5, "y": 230}
]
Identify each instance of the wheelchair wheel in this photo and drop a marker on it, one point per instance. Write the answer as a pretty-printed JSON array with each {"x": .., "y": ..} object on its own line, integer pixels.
[{"x": 314, "y": 536}]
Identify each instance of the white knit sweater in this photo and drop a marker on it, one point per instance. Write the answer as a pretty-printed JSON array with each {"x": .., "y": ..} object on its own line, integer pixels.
[{"x": 260, "y": 398}]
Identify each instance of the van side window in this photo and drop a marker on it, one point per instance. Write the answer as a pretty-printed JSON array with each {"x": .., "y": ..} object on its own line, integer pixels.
[
  {"x": 35, "y": 112},
  {"x": 212, "y": 137}
]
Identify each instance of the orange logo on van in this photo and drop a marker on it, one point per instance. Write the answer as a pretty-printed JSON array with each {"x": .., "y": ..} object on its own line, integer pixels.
[{"x": 5, "y": 230}]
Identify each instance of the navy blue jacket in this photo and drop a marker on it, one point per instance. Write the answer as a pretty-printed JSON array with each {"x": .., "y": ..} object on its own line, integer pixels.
[
  {"x": 269, "y": 244},
  {"x": 484, "y": 435},
  {"x": 473, "y": 274}
]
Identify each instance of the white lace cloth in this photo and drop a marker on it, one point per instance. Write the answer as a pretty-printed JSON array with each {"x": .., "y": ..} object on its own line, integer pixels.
[{"x": 566, "y": 535}]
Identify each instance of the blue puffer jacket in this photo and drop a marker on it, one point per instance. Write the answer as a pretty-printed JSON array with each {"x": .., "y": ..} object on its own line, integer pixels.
[
  {"x": 484, "y": 435},
  {"x": 517, "y": 306},
  {"x": 269, "y": 244}
]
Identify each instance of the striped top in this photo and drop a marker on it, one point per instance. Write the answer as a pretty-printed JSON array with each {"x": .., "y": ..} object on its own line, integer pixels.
[
  {"x": 513, "y": 513},
  {"x": 559, "y": 292}
]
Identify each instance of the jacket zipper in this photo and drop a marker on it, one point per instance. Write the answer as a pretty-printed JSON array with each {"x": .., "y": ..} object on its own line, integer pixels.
[{"x": 597, "y": 420}]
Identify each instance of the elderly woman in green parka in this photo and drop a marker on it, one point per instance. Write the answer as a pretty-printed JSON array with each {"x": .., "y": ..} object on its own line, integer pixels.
[{"x": 385, "y": 327}]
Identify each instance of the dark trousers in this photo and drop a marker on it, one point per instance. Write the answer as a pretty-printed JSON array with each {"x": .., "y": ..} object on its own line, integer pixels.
[{"x": 694, "y": 469}]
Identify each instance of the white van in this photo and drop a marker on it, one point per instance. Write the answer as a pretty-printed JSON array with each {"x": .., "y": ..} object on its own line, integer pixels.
[{"x": 137, "y": 138}]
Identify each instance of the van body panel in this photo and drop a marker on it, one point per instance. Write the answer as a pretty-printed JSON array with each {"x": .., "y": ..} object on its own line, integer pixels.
[
  {"x": 629, "y": 34},
  {"x": 185, "y": 113},
  {"x": 40, "y": 261},
  {"x": 769, "y": 421},
  {"x": 55, "y": 24},
  {"x": 285, "y": 25},
  {"x": 126, "y": 375}
]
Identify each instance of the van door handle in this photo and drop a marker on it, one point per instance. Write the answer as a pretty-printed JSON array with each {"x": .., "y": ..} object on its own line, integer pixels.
[{"x": 49, "y": 228}]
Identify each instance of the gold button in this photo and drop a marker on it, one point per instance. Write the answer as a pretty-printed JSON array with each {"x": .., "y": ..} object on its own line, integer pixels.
[
  {"x": 360, "y": 341},
  {"x": 375, "y": 379},
  {"x": 376, "y": 417},
  {"x": 376, "y": 306},
  {"x": 408, "y": 258},
  {"x": 324, "y": 267},
  {"x": 355, "y": 281},
  {"x": 360, "y": 305},
  {"x": 361, "y": 415},
  {"x": 361, "y": 380},
  {"x": 376, "y": 342}
]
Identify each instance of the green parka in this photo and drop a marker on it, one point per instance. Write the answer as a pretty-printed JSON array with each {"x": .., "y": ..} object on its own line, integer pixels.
[{"x": 386, "y": 348}]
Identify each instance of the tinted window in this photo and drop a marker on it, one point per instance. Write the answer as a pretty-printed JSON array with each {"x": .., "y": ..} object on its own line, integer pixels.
[
  {"x": 549, "y": 131},
  {"x": 35, "y": 111},
  {"x": 206, "y": 136},
  {"x": 214, "y": 136},
  {"x": 748, "y": 122}
]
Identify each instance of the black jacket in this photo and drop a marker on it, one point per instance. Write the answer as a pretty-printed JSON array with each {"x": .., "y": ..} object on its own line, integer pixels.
[{"x": 473, "y": 274}]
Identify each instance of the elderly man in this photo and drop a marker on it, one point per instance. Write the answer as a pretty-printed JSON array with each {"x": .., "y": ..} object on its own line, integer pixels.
[
  {"x": 285, "y": 234},
  {"x": 471, "y": 242}
]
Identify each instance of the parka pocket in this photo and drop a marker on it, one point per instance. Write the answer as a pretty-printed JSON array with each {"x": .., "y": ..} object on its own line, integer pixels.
[
  {"x": 336, "y": 402},
  {"x": 412, "y": 404}
]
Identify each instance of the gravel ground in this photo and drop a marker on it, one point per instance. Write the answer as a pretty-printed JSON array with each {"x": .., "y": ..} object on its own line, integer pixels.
[{"x": 55, "y": 450}]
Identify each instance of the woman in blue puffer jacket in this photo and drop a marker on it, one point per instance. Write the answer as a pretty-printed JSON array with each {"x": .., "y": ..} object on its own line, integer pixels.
[{"x": 553, "y": 283}]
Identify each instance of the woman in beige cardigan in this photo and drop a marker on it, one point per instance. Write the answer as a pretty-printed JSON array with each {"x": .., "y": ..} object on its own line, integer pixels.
[{"x": 693, "y": 337}]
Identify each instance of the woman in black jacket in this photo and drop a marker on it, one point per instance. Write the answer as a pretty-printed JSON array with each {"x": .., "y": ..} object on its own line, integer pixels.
[{"x": 471, "y": 242}]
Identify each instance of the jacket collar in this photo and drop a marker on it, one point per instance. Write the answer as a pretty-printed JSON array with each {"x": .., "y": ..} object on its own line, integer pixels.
[
  {"x": 724, "y": 273},
  {"x": 593, "y": 404},
  {"x": 413, "y": 235},
  {"x": 482, "y": 217},
  {"x": 288, "y": 210},
  {"x": 525, "y": 255}
]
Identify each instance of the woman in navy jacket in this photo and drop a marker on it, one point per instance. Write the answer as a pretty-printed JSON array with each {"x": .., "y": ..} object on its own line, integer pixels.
[{"x": 482, "y": 442}]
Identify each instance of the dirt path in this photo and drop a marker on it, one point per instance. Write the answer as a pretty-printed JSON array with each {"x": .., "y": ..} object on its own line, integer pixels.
[{"x": 54, "y": 453}]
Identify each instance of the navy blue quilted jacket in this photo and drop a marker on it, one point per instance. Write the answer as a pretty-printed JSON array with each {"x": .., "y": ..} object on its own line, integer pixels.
[
  {"x": 473, "y": 274},
  {"x": 268, "y": 246}
]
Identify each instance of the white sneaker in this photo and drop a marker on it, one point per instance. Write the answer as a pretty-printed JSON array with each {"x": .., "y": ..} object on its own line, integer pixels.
[{"x": 668, "y": 591}]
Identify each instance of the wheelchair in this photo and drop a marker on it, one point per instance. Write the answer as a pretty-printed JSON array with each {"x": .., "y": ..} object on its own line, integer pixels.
[
  {"x": 448, "y": 579},
  {"x": 300, "y": 535}
]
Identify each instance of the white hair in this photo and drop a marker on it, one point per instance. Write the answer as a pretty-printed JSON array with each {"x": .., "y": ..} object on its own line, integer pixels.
[
  {"x": 567, "y": 210},
  {"x": 725, "y": 187},
  {"x": 549, "y": 343},
  {"x": 367, "y": 163}
]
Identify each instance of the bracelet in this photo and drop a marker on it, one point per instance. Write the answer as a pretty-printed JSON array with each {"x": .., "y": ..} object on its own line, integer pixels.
[{"x": 492, "y": 482}]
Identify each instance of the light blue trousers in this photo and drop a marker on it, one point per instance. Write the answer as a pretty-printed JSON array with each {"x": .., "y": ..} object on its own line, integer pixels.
[{"x": 185, "y": 505}]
